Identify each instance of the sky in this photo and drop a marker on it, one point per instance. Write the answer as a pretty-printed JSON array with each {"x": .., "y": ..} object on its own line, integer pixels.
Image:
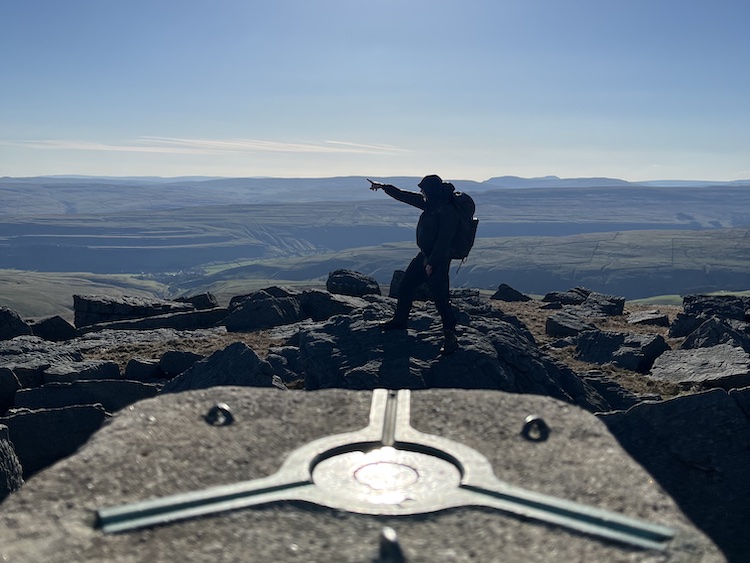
[{"x": 467, "y": 89}]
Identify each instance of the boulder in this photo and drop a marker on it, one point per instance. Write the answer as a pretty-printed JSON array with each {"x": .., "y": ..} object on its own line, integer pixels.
[
  {"x": 636, "y": 352},
  {"x": 597, "y": 305},
  {"x": 506, "y": 293},
  {"x": 237, "y": 364},
  {"x": 163, "y": 446},
  {"x": 274, "y": 291},
  {"x": 348, "y": 282},
  {"x": 53, "y": 328},
  {"x": 174, "y": 362},
  {"x": 718, "y": 366},
  {"x": 263, "y": 310},
  {"x": 698, "y": 449},
  {"x": 566, "y": 323},
  {"x": 321, "y": 305},
  {"x": 85, "y": 369},
  {"x": 11, "y": 472},
  {"x": 575, "y": 296},
  {"x": 112, "y": 394},
  {"x": 95, "y": 309},
  {"x": 651, "y": 318},
  {"x": 11, "y": 324},
  {"x": 719, "y": 331},
  {"x": 43, "y": 436}
]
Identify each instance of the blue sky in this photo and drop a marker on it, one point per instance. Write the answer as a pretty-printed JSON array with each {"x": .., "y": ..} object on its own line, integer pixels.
[{"x": 468, "y": 89}]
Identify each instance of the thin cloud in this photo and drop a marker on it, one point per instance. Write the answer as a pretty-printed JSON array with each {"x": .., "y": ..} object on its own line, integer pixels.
[{"x": 172, "y": 145}]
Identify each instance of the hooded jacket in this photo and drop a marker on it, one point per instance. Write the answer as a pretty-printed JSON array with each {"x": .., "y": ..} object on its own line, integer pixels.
[{"x": 438, "y": 222}]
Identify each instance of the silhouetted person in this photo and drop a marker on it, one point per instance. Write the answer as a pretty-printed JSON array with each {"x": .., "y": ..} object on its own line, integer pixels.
[{"x": 435, "y": 231}]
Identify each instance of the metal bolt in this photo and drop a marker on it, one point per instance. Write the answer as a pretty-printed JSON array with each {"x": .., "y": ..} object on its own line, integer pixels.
[
  {"x": 219, "y": 415},
  {"x": 390, "y": 549},
  {"x": 535, "y": 429}
]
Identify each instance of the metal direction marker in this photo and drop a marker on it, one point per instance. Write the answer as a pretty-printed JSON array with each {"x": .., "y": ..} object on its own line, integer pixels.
[{"x": 388, "y": 468}]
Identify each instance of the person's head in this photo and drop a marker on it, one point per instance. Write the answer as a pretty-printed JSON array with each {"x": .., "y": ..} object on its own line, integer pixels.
[{"x": 431, "y": 187}]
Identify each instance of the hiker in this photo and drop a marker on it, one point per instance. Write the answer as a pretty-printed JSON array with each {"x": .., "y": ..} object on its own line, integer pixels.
[{"x": 435, "y": 230}]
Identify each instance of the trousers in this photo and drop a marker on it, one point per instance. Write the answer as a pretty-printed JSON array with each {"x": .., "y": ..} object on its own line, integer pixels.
[{"x": 439, "y": 285}]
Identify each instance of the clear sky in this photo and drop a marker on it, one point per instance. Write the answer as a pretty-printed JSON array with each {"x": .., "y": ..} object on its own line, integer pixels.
[{"x": 468, "y": 89}]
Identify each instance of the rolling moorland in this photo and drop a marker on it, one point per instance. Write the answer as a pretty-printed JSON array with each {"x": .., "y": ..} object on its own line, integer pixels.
[{"x": 166, "y": 237}]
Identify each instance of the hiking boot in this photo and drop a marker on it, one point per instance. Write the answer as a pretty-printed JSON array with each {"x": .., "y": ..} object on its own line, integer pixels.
[
  {"x": 450, "y": 343},
  {"x": 393, "y": 324}
]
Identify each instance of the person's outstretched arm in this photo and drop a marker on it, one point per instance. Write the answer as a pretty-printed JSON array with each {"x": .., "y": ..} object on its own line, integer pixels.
[{"x": 412, "y": 198}]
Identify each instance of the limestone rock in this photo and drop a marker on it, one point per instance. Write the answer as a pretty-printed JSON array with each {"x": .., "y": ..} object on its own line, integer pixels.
[
  {"x": 11, "y": 472},
  {"x": 95, "y": 309},
  {"x": 53, "y": 328},
  {"x": 201, "y": 301},
  {"x": 321, "y": 305},
  {"x": 566, "y": 323},
  {"x": 654, "y": 318},
  {"x": 724, "y": 306},
  {"x": 719, "y": 331},
  {"x": 44, "y": 436},
  {"x": 9, "y": 384},
  {"x": 575, "y": 296},
  {"x": 718, "y": 366},
  {"x": 698, "y": 448},
  {"x": 263, "y": 310},
  {"x": 84, "y": 369},
  {"x": 11, "y": 324},
  {"x": 112, "y": 394},
  {"x": 636, "y": 352},
  {"x": 183, "y": 320},
  {"x": 174, "y": 362},
  {"x": 163, "y": 446},
  {"x": 348, "y": 282},
  {"x": 506, "y": 293},
  {"x": 237, "y": 364},
  {"x": 143, "y": 369}
]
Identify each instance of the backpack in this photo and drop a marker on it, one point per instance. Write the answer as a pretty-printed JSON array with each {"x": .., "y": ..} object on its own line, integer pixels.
[{"x": 467, "y": 225}]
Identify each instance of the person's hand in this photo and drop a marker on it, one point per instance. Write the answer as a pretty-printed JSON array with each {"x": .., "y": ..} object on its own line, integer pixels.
[
  {"x": 428, "y": 269},
  {"x": 375, "y": 186}
]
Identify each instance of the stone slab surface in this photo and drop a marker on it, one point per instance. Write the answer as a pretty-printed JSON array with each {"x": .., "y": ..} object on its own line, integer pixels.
[{"x": 163, "y": 446}]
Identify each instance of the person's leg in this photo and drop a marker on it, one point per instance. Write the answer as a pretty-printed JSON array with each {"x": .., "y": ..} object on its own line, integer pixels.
[
  {"x": 413, "y": 278},
  {"x": 439, "y": 283}
]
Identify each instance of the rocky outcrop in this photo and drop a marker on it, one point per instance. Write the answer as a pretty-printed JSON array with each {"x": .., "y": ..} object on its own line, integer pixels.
[
  {"x": 11, "y": 324},
  {"x": 348, "y": 282},
  {"x": 95, "y": 309},
  {"x": 698, "y": 448}
]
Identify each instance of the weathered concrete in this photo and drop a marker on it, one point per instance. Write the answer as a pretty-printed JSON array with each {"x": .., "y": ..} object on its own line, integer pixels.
[{"x": 163, "y": 446}]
